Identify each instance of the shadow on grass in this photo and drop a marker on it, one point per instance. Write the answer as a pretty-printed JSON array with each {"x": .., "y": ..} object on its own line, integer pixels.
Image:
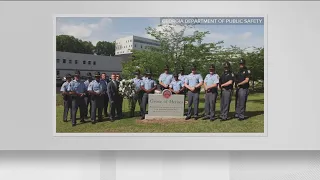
[{"x": 261, "y": 101}]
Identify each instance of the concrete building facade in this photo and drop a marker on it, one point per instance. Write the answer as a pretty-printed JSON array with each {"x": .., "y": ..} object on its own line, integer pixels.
[
  {"x": 126, "y": 44},
  {"x": 67, "y": 62}
]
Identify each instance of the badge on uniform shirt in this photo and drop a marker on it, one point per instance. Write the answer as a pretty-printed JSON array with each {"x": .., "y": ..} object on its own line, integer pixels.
[
  {"x": 243, "y": 72},
  {"x": 249, "y": 72},
  {"x": 232, "y": 74}
]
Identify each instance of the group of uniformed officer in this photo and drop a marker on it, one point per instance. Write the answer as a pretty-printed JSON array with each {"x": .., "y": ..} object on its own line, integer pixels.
[
  {"x": 192, "y": 83},
  {"x": 101, "y": 91},
  {"x": 91, "y": 96}
]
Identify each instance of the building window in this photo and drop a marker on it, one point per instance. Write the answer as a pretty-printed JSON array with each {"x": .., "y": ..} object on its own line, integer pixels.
[
  {"x": 58, "y": 73},
  {"x": 130, "y": 40},
  {"x": 70, "y": 61},
  {"x": 76, "y": 61},
  {"x": 89, "y": 62},
  {"x": 94, "y": 63},
  {"x": 58, "y": 60},
  {"x": 141, "y": 46},
  {"x": 135, "y": 45},
  {"x": 84, "y": 62},
  {"x": 64, "y": 61}
]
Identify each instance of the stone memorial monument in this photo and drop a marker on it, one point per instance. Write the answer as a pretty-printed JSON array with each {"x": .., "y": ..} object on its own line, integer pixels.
[{"x": 165, "y": 106}]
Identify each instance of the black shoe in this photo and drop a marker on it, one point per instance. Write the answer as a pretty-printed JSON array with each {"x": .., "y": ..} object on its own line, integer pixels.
[
  {"x": 212, "y": 119},
  {"x": 142, "y": 118},
  {"x": 241, "y": 119},
  {"x": 205, "y": 118},
  {"x": 196, "y": 118},
  {"x": 112, "y": 119},
  {"x": 93, "y": 122},
  {"x": 188, "y": 117},
  {"x": 74, "y": 125},
  {"x": 236, "y": 116},
  {"x": 82, "y": 121},
  {"x": 65, "y": 120},
  {"x": 224, "y": 119}
]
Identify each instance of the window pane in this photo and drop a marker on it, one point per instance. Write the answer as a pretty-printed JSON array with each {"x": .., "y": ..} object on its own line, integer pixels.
[
  {"x": 94, "y": 63},
  {"x": 89, "y": 62},
  {"x": 70, "y": 61},
  {"x": 64, "y": 60},
  {"x": 76, "y": 61},
  {"x": 84, "y": 62},
  {"x": 58, "y": 60}
]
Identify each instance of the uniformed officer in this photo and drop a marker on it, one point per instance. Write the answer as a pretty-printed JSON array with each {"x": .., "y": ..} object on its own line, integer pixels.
[
  {"x": 226, "y": 86},
  {"x": 182, "y": 77},
  {"x": 119, "y": 113},
  {"x": 148, "y": 85},
  {"x": 165, "y": 78},
  {"x": 97, "y": 91},
  {"x": 176, "y": 86},
  {"x": 193, "y": 83},
  {"x": 77, "y": 91},
  {"x": 211, "y": 82},
  {"x": 138, "y": 93},
  {"x": 87, "y": 98},
  {"x": 144, "y": 76},
  {"x": 242, "y": 84},
  {"x": 105, "y": 97},
  {"x": 66, "y": 98}
]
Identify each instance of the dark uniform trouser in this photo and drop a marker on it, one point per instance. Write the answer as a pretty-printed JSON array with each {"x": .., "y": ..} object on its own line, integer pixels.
[
  {"x": 67, "y": 104},
  {"x": 184, "y": 104},
  {"x": 87, "y": 101},
  {"x": 241, "y": 101},
  {"x": 96, "y": 103},
  {"x": 225, "y": 101},
  {"x": 119, "y": 107},
  {"x": 193, "y": 98},
  {"x": 144, "y": 103},
  {"x": 136, "y": 97},
  {"x": 114, "y": 106},
  {"x": 105, "y": 104},
  {"x": 77, "y": 102},
  {"x": 210, "y": 104}
]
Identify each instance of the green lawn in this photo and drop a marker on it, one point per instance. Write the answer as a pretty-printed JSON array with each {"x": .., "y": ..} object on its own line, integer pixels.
[{"x": 254, "y": 124}]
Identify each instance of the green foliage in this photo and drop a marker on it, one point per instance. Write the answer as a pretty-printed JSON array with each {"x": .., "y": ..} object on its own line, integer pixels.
[
  {"x": 105, "y": 48},
  {"x": 177, "y": 49},
  {"x": 67, "y": 43}
]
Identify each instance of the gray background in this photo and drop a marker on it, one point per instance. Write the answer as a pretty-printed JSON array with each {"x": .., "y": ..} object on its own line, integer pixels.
[
  {"x": 160, "y": 165},
  {"x": 26, "y": 37}
]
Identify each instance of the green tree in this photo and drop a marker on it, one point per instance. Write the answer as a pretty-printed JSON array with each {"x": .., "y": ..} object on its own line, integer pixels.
[
  {"x": 105, "y": 48},
  {"x": 255, "y": 62},
  {"x": 176, "y": 49},
  {"x": 67, "y": 43}
]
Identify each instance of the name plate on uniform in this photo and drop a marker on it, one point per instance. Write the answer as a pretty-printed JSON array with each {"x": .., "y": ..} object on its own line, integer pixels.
[{"x": 162, "y": 106}]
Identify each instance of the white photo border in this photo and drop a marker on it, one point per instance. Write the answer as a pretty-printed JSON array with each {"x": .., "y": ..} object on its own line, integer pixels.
[{"x": 265, "y": 119}]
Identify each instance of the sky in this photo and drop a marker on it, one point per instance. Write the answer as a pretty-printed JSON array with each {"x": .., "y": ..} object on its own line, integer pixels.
[{"x": 96, "y": 29}]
